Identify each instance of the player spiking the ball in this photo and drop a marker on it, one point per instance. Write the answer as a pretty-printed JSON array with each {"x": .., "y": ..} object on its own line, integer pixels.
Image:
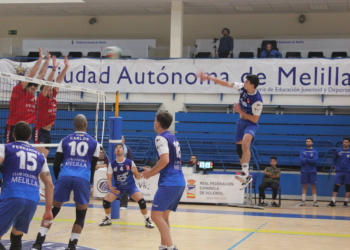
[{"x": 249, "y": 108}]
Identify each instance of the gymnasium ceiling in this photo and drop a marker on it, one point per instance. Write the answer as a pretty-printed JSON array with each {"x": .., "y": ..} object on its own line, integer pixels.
[{"x": 163, "y": 7}]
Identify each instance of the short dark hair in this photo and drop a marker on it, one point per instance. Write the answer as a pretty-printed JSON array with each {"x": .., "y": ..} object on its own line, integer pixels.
[
  {"x": 253, "y": 79},
  {"x": 22, "y": 131},
  {"x": 118, "y": 144},
  {"x": 267, "y": 44},
  {"x": 273, "y": 158},
  {"x": 309, "y": 138},
  {"x": 165, "y": 119},
  {"x": 194, "y": 156},
  {"x": 32, "y": 84},
  {"x": 346, "y": 139}
]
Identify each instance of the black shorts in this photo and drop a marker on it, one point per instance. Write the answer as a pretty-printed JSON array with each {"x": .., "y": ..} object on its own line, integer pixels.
[{"x": 42, "y": 136}]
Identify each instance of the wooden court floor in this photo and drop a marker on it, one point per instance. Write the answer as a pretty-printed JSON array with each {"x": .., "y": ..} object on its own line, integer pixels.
[{"x": 203, "y": 227}]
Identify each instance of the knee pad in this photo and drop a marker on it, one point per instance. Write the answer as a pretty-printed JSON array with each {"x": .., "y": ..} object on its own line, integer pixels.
[
  {"x": 106, "y": 204},
  {"x": 336, "y": 188},
  {"x": 55, "y": 211},
  {"x": 80, "y": 217},
  {"x": 16, "y": 242},
  {"x": 239, "y": 150},
  {"x": 142, "y": 203},
  {"x": 347, "y": 187}
]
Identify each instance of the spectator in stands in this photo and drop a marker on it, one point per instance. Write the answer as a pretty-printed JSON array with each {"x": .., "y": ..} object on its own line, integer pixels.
[
  {"x": 270, "y": 53},
  {"x": 225, "y": 49},
  {"x": 128, "y": 155},
  {"x": 271, "y": 179},
  {"x": 308, "y": 159},
  {"x": 102, "y": 161},
  {"x": 193, "y": 163},
  {"x": 23, "y": 101},
  {"x": 341, "y": 163}
]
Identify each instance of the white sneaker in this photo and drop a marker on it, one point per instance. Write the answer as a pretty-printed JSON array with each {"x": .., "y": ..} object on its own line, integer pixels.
[
  {"x": 248, "y": 180},
  {"x": 242, "y": 178},
  {"x": 123, "y": 208},
  {"x": 302, "y": 204},
  {"x": 105, "y": 222},
  {"x": 148, "y": 223}
]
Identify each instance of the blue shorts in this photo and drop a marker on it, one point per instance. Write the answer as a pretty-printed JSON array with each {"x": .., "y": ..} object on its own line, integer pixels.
[
  {"x": 66, "y": 184},
  {"x": 167, "y": 198},
  {"x": 128, "y": 190},
  {"x": 308, "y": 178},
  {"x": 342, "y": 178},
  {"x": 244, "y": 127},
  {"x": 16, "y": 212}
]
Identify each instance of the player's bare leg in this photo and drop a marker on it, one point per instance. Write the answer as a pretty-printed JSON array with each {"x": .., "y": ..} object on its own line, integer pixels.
[
  {"x": 143, "y": 208},
  {"x": 245, "y": 178},
  {"x": 107, "y": 200},
  {"x": 161, "y": 219},
  {"x": 78, "y": 225}
]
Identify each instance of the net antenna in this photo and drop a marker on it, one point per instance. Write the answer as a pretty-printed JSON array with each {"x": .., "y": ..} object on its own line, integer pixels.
[{"x": 71, "y": 100}]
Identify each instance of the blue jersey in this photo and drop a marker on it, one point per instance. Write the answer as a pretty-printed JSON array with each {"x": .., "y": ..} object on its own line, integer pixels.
[
  {"x": 123, "y": 177},
  {"x": 308, "y": 159},
  {"x": 341, "y": 160},
  {"x": 250, "y": 104},
  {"x": 78, "y": 150},
  {"x": 171, "y": 174},
  {"x": 22, "y": 165}
]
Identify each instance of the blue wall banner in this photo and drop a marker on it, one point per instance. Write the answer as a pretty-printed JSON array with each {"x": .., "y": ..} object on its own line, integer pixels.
[{"x": 277, "y": 76}]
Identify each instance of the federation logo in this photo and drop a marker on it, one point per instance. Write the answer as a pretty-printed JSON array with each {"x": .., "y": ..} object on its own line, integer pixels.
[
  {"x": 21, "y": 70},
  {"x": 127, "y": 167},
  {"x": 102, "y": 186},
  {"x": 191, "y": 189}
]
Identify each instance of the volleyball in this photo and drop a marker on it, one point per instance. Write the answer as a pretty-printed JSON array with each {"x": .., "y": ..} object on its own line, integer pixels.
[{"x": 112, "y": 52}]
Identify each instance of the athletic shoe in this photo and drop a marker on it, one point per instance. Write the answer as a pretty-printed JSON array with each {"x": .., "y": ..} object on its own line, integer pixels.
[
  {"x": 315, "y": 204},
  {"x": 302, "y": 204},
  {"x": 274, "y": 204},
  {"x": 106, "y": 222},
  {"x": 345, "y": 204},
  {"x": 248, "y": 180},
  {"x": 262, "y": 204},
  {"x": 331, "y": 204},
  {"x": 175, "y": 248},
  {"x": 72, "y": 245},
  {"x": 242, "y": 177},
  {"x": 123, "y": 208},
  {"x": 148, "y": 223},
  {"x": 39, "y": 242}
]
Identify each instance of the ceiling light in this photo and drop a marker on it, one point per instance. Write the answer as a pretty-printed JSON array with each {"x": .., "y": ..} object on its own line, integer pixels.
[{"x": 40, "y": 1}]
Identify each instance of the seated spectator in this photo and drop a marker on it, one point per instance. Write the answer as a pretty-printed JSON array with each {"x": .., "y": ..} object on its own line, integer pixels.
[
  {"x": 193, "y": 163},
  {"x": 102, "y": 161},
  {"x": 270, "y": 53},
  {"x": 271, "y": 179}
]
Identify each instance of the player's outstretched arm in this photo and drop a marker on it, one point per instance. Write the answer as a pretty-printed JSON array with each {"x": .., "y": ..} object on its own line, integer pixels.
[
  {"x": 55, "y": 65},
  {"x": 47, "y": 180},
  {"x": 44, "y": 68},
  {"x": 204, "y": 77},
  {"x": 35, "y": 68},
  {"x": 61, "y": 76}
]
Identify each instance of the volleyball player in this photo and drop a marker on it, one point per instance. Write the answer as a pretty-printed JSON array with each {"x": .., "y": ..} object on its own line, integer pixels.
[
  {"x": 47, "y": 107},
  {"x": 171, "y": 184},
  {"x": 23, "y": 101},
  {"x": 123, "y": 171},
  {"x": 249, "y": 108},
  {"x": 19, "y": 197},
  {"x": 78, "y": 154}
]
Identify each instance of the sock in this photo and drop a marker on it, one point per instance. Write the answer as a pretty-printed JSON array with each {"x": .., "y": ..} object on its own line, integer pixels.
[
  {"x": 43, "y": 231},
  {"x": 315, "y": 197},
  {"x": 333, "y": 199},
  {"x": 74, "y": 236},
  {"x": 171, "y": 248},
  {"x": 145, "y": 216},
  {"x": 162, "y": 247},
  {"x": 245, "y": 168},
  {"x": 346, "y": 199},
  {"x": 108, "y": 216},
  {"x": 303, "y": 197}
]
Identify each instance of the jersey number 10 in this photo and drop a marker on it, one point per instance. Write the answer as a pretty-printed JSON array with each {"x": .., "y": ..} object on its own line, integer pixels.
[{"x": 81, "y": 148}]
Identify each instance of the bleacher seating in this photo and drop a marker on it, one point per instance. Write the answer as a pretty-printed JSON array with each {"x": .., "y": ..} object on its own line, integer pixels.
[
  {"x": 313, "y": 54},
  {"x": 339, "y": 54},
  {"x": 75, "y": 54},
  {"x": 94, "y": 54},
  {"x": 293, "y": 55},
  {"x": 246, "y": 55}
]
